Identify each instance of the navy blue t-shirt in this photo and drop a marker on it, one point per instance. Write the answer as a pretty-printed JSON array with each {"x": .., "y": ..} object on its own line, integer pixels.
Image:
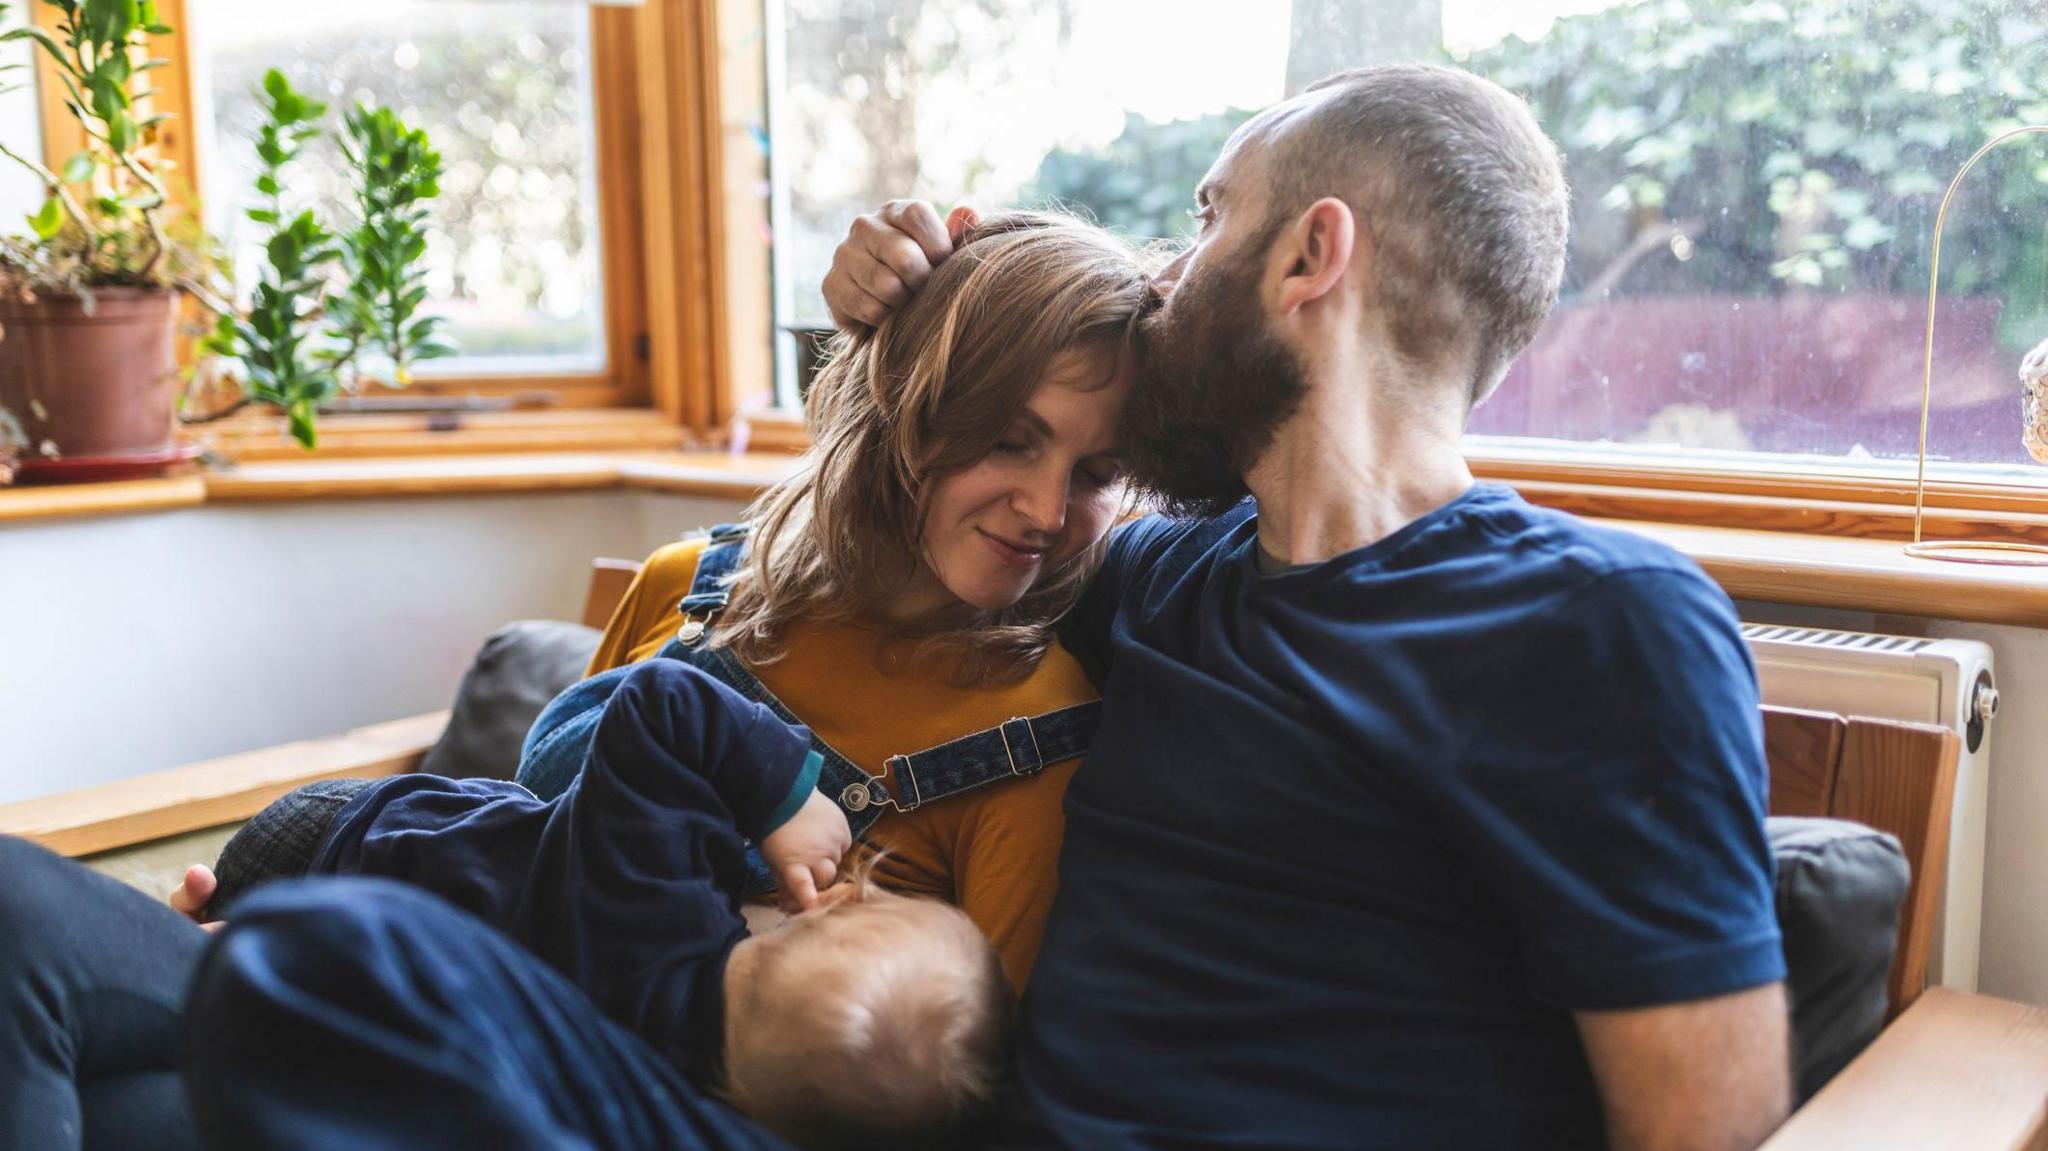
[{"x": 1355, "y": 840}]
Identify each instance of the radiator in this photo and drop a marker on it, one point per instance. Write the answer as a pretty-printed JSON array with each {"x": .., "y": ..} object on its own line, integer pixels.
[{"x": 1939, "y": 681}]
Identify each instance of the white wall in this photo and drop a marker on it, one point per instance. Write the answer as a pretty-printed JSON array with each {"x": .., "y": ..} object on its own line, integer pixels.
[
  {"x": 2014, "y": 960},
  {"x": 134, "y": 643}
]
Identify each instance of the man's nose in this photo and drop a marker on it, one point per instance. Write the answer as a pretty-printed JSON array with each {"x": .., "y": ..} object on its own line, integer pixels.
[{"x": 1169, "y": 276}]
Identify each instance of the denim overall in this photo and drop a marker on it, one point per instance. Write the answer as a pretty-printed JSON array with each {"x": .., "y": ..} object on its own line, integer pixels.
[{"x": 1016, "y": 748}]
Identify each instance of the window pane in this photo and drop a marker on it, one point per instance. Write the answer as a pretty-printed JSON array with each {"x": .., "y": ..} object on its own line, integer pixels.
[
  {"x": 1114, "y": 105},
  {"x": 21, "y": 130},
  {"x": 1754, "y": 185},
  {"x": 1755, "y": 190},
  {"x": 503, "y": 90}
]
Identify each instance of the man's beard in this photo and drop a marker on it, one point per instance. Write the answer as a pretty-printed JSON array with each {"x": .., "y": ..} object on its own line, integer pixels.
[{"x": 1216, "y": 386}]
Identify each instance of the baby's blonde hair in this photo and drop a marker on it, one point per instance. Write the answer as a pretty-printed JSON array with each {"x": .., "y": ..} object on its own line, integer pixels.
[{"x": 883, "y": 1022}]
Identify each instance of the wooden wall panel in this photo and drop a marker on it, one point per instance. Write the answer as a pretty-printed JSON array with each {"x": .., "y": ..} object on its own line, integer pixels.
[
  {"x": 1901, "y": 778},
  {"x": 1802, "y": 748},
  {"x": 609, "y": 579}
]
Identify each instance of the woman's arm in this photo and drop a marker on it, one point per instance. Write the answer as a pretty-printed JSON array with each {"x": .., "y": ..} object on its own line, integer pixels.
[
  {"x": 623, "y": 631},
  {"x": 647, "y": 615}
]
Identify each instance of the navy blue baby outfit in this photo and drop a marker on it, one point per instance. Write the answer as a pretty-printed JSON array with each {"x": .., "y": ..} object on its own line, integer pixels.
[{"x": 627, "y": 886}]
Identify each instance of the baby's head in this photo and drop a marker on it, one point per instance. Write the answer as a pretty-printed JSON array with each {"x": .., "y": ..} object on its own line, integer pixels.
[{"x": 873, "y": 1020}]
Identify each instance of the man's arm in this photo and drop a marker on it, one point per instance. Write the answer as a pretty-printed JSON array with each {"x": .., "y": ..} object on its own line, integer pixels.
[
  {"x": 1710, "y": 1075},
  {"x": 1620, "y": 787}
]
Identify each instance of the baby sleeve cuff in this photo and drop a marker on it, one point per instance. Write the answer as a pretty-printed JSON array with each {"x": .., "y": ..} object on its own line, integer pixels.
[{"x": 799, "y": 791}]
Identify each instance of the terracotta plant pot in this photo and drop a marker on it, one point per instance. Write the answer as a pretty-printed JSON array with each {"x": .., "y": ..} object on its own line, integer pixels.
[{"x": 93, "y": 386}]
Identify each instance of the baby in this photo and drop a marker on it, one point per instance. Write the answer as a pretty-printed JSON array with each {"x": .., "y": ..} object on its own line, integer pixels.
[{"x": 869, "y": 1019}]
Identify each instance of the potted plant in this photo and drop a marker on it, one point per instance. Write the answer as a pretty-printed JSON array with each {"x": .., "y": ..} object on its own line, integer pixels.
[
  {"x": 88, "y": 368},
  {"x": 305, "y": 332}
]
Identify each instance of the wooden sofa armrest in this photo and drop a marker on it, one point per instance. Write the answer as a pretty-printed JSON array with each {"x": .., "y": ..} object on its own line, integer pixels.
[
  {"x": 219, "y": 791},
  {"x": 1955, "y": 1071}
]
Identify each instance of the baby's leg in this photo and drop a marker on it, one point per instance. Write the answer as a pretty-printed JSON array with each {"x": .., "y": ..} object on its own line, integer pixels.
[
  {"x": 363, "y": 1014},
  {"x": 280, "y": 842}
]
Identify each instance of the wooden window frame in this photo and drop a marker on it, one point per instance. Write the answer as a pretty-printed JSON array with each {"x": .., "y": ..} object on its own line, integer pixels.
[
  {"x": 655, "y": 100},
  {"x": 674, "y": 222}
]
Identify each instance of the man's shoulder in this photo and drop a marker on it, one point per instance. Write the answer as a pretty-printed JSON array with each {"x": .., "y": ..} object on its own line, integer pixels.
[
  {"x": 1612, "y": 596},
  {"x": 1576, "y": 554},
  {"x": 1158, "y": 542}
]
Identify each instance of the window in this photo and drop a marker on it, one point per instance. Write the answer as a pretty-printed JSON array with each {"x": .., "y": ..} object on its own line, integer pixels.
[
  {"x": 579, "y": 261},
  {"x": 1755, "y": 186},
  {"x": 1117, "y": 106},
  {"x": 502, "y": 88},
  {"x": 1755, "y": 189},
  {"x": 20, "y": 130}
]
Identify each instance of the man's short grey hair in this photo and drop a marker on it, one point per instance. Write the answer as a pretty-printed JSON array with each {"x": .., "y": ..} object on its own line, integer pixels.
[{"x": 1465, "y": 197}]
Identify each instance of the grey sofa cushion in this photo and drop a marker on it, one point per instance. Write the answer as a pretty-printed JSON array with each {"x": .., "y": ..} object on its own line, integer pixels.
[
  {"x": 520, "y": 667},
  {"x": 1840, "y": 886}
]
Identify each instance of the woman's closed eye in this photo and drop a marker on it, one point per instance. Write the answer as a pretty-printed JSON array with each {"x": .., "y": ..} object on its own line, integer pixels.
[
  {"x": 1101, "y": 473},
  {"x": 1016, "y": 446}
]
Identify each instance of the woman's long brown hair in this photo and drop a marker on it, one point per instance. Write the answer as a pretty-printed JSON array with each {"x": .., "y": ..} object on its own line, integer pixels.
[{"x": 926, "y": 394}]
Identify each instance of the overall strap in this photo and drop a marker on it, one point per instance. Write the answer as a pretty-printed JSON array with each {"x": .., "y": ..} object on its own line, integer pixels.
[
  {"x": 709, "y": 592},
  {"x": 1016, "y": 748},
  {"x": 711, "y": 587},
  {"x": 838, "y": 778}
]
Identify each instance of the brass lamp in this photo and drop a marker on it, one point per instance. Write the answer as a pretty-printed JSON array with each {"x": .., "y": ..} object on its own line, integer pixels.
[{"x": 2034, "y": 381}]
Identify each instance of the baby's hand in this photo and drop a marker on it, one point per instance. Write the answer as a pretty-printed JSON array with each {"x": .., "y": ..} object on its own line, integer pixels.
[
  {"x": 191, "y": 896},
  {"x": 803, "y": 854}
]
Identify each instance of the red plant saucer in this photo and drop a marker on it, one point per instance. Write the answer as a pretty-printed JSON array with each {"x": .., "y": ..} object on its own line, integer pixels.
[{"x": 34, "y": 469}]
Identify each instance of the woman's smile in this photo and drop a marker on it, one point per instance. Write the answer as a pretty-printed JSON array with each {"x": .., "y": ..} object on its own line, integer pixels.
[{"x": 1018, "y": 555}]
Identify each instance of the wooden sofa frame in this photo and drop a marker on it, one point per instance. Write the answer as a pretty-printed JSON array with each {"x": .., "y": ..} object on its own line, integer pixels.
[{"x": 1957, "y": 1070}]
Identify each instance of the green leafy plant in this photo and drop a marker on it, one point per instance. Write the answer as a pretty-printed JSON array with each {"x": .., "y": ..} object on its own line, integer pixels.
[
  {"x": 274, "y": 340},
  {"x": 325, "y": 301},
  {"x": 105, "y": 220},
  {"x": 1805, "y": 145},
  {"x": 397, "y": 172},
  {"x": 1143, "y": 181}
]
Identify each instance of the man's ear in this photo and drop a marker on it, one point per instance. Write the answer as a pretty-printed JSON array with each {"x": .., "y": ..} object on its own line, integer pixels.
[{"x": 1318, "y": 251}]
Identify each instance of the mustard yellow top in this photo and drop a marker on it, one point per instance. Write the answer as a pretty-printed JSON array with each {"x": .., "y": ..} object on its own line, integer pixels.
[{"x": 992, "y": 851}]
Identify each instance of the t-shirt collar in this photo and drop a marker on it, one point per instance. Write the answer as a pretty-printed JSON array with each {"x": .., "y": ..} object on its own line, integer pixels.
[{"x": 1375, "y": 553}]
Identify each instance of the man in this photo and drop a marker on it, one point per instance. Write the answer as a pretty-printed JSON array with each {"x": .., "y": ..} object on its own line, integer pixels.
[{"x": 1418, "y": 816}]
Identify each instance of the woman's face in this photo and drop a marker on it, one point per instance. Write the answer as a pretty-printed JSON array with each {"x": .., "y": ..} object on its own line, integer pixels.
[{"x": 1048, "y": 489}]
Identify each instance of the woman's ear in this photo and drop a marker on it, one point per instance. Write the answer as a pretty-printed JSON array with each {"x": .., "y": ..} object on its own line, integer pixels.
[
  {"x": 1323, "y": 239},
  {"x": 960, "y": 221}
]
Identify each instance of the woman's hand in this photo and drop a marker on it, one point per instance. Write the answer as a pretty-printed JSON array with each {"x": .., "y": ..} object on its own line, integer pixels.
[
  {"x": 190, "y": 898},
  {"x": 803, "y": 855}
]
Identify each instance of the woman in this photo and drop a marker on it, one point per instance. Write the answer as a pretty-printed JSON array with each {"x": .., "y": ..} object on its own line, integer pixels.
[{"x": 898, "y": 594}]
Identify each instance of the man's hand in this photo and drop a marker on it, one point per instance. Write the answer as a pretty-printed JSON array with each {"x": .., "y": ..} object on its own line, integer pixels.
[
  {"x": 1711, "y": 1075},
  {"x": 803, "y": 855},
  {"x": 190, "y": 897},
  {"x": 887, "y": 256}
]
